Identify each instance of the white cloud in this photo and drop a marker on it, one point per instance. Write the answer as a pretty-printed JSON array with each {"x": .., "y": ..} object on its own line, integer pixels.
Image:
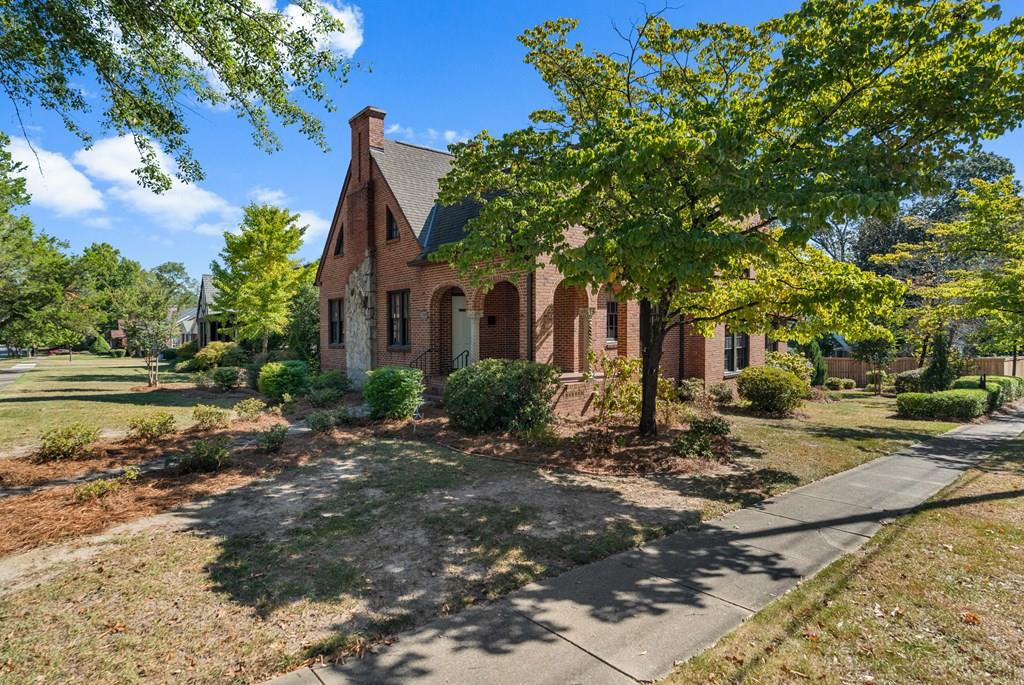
[
  {"x": 54, "y": 182},
  {"x": 343, "y": 42},
  {"x": 268, "y": 196},
  {"x": 317, "y": 226},
  {"x": 430, "y": 137},
  {"x": 182, "y": 207},
  {"x": 267, "y": 5},
  {"x": 98, "y": 222}
]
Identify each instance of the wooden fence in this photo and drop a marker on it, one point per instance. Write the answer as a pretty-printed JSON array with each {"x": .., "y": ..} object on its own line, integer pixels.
[{"x": 845, "y": 367}]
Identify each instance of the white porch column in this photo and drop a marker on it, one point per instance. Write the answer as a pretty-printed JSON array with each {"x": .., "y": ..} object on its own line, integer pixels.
[{"x": 474, "y": 317}]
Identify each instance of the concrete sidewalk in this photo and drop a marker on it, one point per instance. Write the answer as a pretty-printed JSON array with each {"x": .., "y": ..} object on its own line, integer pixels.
[
  {"x": 12, "y": 373},
  {"x": 632, "y": 616}
]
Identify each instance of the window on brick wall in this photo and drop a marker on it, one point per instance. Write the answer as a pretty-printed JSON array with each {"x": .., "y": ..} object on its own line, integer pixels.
[
  {"x": 737, "y": 351},
  {"x": 337, "y": 321},
  {"x": 770, "y": 345},
  {"x": 398, "y": 318},
  {"x": 339, "y": 242},
  {"x": 392, "y": 225},
  {"x": 611, "y": 321}
]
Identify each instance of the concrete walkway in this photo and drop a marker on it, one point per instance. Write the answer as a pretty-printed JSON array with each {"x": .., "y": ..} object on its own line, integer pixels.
[
  {"x": 631, "y": 617},
  {"x": 13, "y": 373}
]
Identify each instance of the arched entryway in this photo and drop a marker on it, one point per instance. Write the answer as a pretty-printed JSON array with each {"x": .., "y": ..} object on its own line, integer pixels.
[
  {"x": 450, "y": 333},
  {"x": 499, "y": 323},
  {"x": 571, "y": 335}
]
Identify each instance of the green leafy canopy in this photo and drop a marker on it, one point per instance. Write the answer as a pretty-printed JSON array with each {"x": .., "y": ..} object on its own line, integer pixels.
[{"x": 152, "y": 61}]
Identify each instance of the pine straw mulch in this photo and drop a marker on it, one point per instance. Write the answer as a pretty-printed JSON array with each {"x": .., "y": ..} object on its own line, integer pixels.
[
  {"x": 107, "y": 455},
  {"x": 54, "y": 515},
  {"x": 584, "y": 446}
]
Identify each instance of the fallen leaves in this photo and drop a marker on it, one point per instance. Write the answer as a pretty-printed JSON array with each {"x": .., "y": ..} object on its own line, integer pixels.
[{"x": 970, "y": 618}]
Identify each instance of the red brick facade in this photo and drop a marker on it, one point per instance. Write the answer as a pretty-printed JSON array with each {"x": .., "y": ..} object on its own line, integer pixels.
[{"x": 537, "y": 317}]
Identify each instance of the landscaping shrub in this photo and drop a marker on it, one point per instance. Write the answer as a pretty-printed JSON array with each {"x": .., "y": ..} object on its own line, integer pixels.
[
  {"x": 877, "y": 376},
  {"x": 324, "y": 397},
  {"x": 118, "y": 353},
  {"x": 796, "y": 364},
  {"x": 272, "y": 439},
  {"x": 702, "y": 437},
  {"x": 771, "y": 390},
  {"x": 326, "y": 419},
  {"x": 101, "y": 487},
  {"x": 393, "y": 392},
  {"x": 721, "y": 392},
  {"x": 205, "y": 456},
  {"x": 690, "y": 389},
  {"x": 151, "y": 427},
  {"x": 100, "y": 346},
  {"x": 208, "y": 417},
  {"x": 335, "y": 380},
  {"x": 908, "y": 381},
  {"x": 227, "y": 378},
  {"x": 945, "y": 404},
  {"x": 68, "y": 442},
  {"x": 819, "y": 369},
  {"x": 939, "y": 374},
  {"x": 501, "y": 395},
  {"x": 833, "y": 383},
  {"x": 279, "y": 378},
  {"x": 186, "y": 351},
  {"x": 168, "y": 354},
  {"x": 250, "y": 408},
  {"x": 1000, "y": 389},
  {"x": 218, "y": 353}
]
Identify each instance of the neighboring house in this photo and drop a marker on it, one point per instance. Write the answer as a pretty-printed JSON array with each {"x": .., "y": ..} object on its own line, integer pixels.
[
  {"x": 382, "y": 302},
  {"x": 116, "y": 337},
  {"x": 209, "y": 323},
  {"x": 186, "y": 328}
]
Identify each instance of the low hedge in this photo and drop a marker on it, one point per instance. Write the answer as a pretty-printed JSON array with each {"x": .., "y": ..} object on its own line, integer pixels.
[
  {"x": 771, "y": 390},
  {"x": 277, "y": 379},
  {"x": 501, "y": 395},
  {"x": 945, "y": 404},
  {"x": 1001, "y": 389},
  {"x": 392, "y": 392}
]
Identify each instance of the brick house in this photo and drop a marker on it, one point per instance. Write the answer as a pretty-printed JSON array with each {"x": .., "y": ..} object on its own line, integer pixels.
[{"x": 382, "y": 302}]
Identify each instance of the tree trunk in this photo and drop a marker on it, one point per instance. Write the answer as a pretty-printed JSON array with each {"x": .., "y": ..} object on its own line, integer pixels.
[
  {"x": 1014, "y": 372},
  {"x": 652, "y": 334},
  {"x": 266, "y": 340},
  {"x": 924, "y": 353},
  {"x": 69, "y": 354}
]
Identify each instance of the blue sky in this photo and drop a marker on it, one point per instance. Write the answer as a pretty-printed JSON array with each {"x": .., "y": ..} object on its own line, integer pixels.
[{"x": 441, "y": 70}]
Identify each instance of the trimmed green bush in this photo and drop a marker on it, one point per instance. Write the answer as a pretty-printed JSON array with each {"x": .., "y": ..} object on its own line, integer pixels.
[
  {"x": 227, "y": 378},
  {"x": 100, "y": 346},
  {"x": 324, "y": 397},
  {"x": 1001, "y": 389},
  {"x": 326, "y": 419},
  {"x": 250, "y": 408},
  {"x": 335, "y": 380},
  {"x": 101, "y": 487},
  {"x": 703, "y": 435},
  {"x": 234, "y": 355},
  {"x": 272, "y": 439},
  {"x": 721, "y": 393},
  {"x": 501, "y": 395},
  {"x": 151, "y": 427},
  {"x": 72, "y": 441},
  {"x": 793, "y": 362},
  {"x": 219, "y": 353},
  {"x": 945, "y": 404},
  {"x": 117, "y": 353},
  {"x": 909, "y": 381},
  {"x": 205, "y": 456},
  {"x": 208, "y": 417},
  {"x": 393, "y": 392},
  {"x": 769, "y": 390},
  {"x": 280, "y": 378},
  {"x": 833, "y": 383},
  {"x": 848, "y": 383},
  {"x": 186, "y": 351},
  {"x": 819, "y": 369}
]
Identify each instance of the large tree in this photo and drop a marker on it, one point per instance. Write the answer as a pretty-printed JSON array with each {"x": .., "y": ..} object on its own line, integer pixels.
[
  {"x": 150, "y": 62},
  {"x": 259, "y": 276},
  {"x": 675, "y": 154}
]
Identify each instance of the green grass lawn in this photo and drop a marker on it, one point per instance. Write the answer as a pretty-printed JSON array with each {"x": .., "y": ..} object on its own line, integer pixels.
[
  {"x": 93, "y": 390},
  {"x": 933, "y": 598}
]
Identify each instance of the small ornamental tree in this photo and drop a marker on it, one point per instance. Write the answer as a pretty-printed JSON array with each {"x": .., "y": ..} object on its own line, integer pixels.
[
  {"x": 819, "y": 371},
  {"x": 698, "y": 153},
  {"x": 878, "y": 352},
  {"x": 939, "y": 374}
]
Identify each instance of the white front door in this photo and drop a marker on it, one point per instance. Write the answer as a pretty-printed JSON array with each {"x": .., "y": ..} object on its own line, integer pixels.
[{"x": 460, "y": 331}]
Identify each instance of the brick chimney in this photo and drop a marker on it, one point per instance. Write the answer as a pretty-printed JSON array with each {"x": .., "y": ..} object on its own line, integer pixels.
[{"x": 367, "y": 132}]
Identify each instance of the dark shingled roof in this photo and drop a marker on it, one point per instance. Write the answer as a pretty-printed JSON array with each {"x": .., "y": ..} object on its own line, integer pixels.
[
  {"x": 413, "y": 173},
  {"x": 209, "y": 290}
]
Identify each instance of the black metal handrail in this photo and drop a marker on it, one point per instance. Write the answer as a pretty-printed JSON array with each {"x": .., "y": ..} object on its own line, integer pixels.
[
  {"x": 420, "y": 361},
  {"x": 461, "y": 360}
]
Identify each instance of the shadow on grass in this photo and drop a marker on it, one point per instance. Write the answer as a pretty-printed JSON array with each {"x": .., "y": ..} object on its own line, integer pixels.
[
  {"x": 169, "y": 397},
  {"x": 860, "y": 434}
]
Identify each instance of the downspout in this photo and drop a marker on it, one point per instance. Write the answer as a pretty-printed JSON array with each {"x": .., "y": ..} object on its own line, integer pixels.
[{"x": 530, "y": 354}]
